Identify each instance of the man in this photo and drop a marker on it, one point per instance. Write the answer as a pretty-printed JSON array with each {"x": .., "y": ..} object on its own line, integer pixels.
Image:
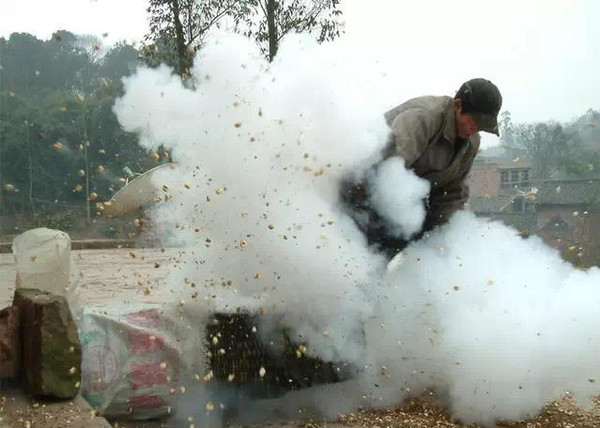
[{"x": 438, "y": 139}]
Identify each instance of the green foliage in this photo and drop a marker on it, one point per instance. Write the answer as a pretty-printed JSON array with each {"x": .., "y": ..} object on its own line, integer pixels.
[
  {"x": 58, "y": 135},
  {"x": 30, "y": 65},
  {"x": 269, "y": 21},
  {"x": 122, "y": 60},
  {"x": 548, "y": 145},
  {"x": 584, "y": 161},
  {"x": 545, "y": 142},
  {"x": 60, "y": 221},
  {"x": 178, "y": 27},
  {"x": 162, "y": 49}
]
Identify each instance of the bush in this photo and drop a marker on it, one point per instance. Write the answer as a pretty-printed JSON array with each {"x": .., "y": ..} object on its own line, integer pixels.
[{"x": 60, "y": 221}]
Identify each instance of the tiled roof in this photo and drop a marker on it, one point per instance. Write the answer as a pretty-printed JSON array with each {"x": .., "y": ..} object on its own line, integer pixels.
[
  {"x": 568, "y": 192},
  {"x": 515, "y": 164},
  {"x": 489, "y": 204},
  {"x": 523, "y": 222},
  {"x": 499, "y": 208}
]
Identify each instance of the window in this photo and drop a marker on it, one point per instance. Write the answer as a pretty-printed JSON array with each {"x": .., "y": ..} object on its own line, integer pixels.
[
  {"x": 525, "y": 179},
  {"x": 504, "y": 179},
  {"x": 514, "y": 176}
]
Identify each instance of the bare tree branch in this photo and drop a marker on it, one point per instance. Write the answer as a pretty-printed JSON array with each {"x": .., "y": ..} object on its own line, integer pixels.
[{"x": 263, "y": 7}]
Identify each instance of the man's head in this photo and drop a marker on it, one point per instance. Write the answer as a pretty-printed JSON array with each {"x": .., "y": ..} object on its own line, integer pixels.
[{"x": 476, "y": 105}]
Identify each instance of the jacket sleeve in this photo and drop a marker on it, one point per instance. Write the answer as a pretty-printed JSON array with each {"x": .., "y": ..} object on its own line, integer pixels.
[{"x": 411, "y": 131}]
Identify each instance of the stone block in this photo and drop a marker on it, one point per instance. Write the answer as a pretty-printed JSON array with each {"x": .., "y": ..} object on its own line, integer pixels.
[
  {"x": 10, "y": 345},
  {"x": 51, "y": 349}
]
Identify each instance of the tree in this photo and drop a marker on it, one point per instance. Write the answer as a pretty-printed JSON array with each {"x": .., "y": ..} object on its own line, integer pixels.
[
  {"x": 65, "y": 62},
  {"x": 545, "y": 143},
  {"x": 584, "y": 161},
  {"x": 573, "y": 150},
  {"x": 121, "y": 60},
  {"x": 506, "y": 129},
  {"x": 59, "y": 138},
  {"x": 178, "y": 27},
  {"x": 272, "y": 20},
  {"x": 23, "y": 58}
]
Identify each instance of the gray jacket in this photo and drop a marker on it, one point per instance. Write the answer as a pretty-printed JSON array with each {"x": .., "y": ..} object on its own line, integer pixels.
[{"x": 423, "y": 133}]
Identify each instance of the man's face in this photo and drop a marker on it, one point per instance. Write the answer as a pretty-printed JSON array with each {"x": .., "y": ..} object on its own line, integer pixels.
[{"x": 465, "y": 124}]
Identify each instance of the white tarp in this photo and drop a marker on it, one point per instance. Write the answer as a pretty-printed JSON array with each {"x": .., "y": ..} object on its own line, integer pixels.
[{"x": 43, "y": 258}]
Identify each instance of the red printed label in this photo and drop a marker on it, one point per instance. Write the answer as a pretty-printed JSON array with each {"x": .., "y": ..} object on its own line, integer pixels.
[
  {"x": 147, "y": 375},
  {"x": 142, "y": 342},
  {"x": 148, "y": 318},
  {"x": 146, "y": 402}
]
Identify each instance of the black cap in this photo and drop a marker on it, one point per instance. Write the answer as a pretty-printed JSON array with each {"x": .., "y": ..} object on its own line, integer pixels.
[{"x": 482, "y": 100}]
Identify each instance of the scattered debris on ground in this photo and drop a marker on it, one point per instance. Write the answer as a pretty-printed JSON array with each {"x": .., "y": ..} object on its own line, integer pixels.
[{"x": 419, "y": 413}]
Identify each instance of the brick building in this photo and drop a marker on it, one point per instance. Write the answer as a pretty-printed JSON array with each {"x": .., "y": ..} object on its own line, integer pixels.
[
  {"x": 494, "y": 177},
  {"x": 564, "y": 213}
]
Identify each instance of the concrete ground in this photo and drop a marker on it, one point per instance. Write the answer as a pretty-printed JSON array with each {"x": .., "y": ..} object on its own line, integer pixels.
[
  {"x": 106, "y": 277},
  {"x": 114, "y": 276},
  {"x": 20, "y": 410}
]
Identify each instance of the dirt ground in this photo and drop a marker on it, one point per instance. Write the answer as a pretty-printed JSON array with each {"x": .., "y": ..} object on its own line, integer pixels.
[
  {"x": 424, "y": 413},
  {"x": 18, "y": 410},
  {"x": 122, "y": 275}
]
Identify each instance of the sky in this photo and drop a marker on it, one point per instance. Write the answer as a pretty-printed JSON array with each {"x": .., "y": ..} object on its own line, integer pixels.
[{"x": 543, "y": 55}]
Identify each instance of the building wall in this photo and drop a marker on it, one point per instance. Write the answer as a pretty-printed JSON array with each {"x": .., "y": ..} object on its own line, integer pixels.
[
  {"x": 484, "y": 180},
  {"x": 578, "y": 239}
]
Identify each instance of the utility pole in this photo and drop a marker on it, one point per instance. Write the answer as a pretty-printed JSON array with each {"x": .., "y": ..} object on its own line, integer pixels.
[
  {"x": 86, "y": 143},
  {"x": 30, "y": 152}
]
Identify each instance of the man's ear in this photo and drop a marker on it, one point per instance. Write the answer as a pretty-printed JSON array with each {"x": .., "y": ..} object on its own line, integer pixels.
[{"x": 458, "y": 105}]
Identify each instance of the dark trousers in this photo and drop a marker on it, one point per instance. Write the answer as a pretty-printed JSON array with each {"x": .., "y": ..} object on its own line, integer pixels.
[{"x": 356, "y": 203}]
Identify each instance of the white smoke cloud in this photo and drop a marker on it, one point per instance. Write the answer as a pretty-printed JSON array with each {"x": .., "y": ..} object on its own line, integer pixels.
[
  {"x": 499, "y": 325},
  {"x": 509, "y": 323},
  {"x": 397, "y": 195}
]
